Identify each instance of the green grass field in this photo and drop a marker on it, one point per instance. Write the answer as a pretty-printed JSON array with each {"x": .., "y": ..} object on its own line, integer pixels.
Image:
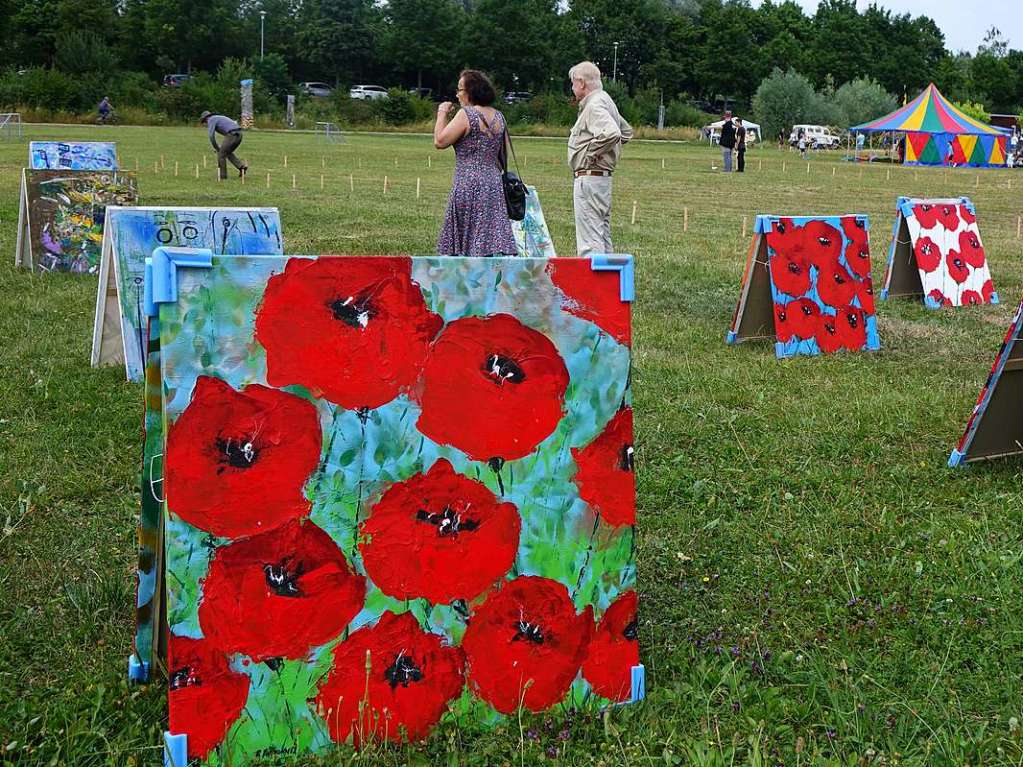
[{"x": 816, "y": 586}]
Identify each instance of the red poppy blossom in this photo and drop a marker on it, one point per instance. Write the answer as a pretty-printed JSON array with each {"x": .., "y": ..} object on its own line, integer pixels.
[
  {"x": 204, "y": 696},
  {"x": 237, "y": 460},
  {"x": 850, "y": 327},
  {"x": 967, "y": 215},
  {"x": 439, "y": 536},
  {"x": 948, "y": 215},
  {"x": 492, "y": 387},
  {"x": 939, "y": 298},
  {"x": 970, "y": 298},
  {"x": 828, "y": 338},
  {"x": 971, "y": 249},
  {"x": 865, "y": 293},
  {"x": 411, "y": 677},
  {"x": 926, "y": 214},
  {"x": 957, "y": 268},
  {"x": 857, "y": 251},
  {"x": 592, "y": 295},
  {"x": 614, "y": 650},
  {"x": 279, "y": 594},
  {"x": 836, "y": 286},
  {"x": 987, "y": 290},
  {"x": 605, "y": 475},
  {"x": 821, "y": 244},
  {"x": 928, "y": 254},
  {"x": 525, "y": 644},
  {"x": 353, "y": 330},
  {"x": 783, "y": 322},
  {"x": 790, "y": 275}
]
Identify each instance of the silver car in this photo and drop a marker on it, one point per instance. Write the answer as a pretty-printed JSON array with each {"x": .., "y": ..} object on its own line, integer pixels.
[{"x": 367, "y": 92}]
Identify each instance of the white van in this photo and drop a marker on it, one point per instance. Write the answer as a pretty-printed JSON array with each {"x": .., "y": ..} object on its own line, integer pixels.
[{"x": 817, "y": 137}]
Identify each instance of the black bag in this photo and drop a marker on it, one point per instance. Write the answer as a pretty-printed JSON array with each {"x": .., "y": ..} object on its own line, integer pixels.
[{"x": 514, "y": 188}]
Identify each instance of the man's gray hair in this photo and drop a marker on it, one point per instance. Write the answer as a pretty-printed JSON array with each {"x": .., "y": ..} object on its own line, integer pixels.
[{"x": 588, "y": 72}]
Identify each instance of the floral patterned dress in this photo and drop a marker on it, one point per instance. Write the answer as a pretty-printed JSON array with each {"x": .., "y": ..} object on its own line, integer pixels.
[{"x": 476, "y": 222}]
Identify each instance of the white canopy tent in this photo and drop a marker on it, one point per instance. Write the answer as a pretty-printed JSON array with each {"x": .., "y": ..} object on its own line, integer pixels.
[{"x": 713, "y": 131}]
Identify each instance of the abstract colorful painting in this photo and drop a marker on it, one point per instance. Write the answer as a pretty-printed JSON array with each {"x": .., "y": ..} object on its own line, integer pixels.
[
  {"x": 808, "y": 284},
  {"x": 532, "y": 237},
  {"x": 937, "y": 254},
  {"x": 995, "y": 428},
  {"x": 398, "y": 491},
  {"x": 132, "y": 234},
  {"x": 64, "y": 212},
  {"x": 72, "y": 155}
]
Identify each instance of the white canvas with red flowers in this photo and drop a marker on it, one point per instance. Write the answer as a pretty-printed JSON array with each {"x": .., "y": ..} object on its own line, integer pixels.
[
  {"x": 947, "y": 251},
  {"x": 398, "y": 491}
]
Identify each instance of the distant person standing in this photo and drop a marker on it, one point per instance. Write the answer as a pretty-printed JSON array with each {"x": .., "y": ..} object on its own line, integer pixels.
[
  {"x": 105, "y": 109},
  {"x": 801, "y": 143},
  {"x": 727, "y": 141},
  {"x": 232, "y": 134},
  {"x": 740, "y": 145},
  {"x": 594, "y": 146},
  {"x": 781, "y": 139}
]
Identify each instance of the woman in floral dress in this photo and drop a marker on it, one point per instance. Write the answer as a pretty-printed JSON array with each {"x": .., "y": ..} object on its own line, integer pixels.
[{"x": 476, "y": 222}]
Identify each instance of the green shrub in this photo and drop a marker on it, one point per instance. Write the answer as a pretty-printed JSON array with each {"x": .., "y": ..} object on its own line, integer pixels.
[
  {"x": 680, "y": 113},
  {"x": 396, "y": 109},
  {"x": 354, "y": 111},
  {"x": 41, "y": 88}
]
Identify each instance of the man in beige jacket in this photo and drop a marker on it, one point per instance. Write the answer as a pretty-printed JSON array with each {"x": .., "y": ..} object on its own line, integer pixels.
[{"x": 593, "y": 150}]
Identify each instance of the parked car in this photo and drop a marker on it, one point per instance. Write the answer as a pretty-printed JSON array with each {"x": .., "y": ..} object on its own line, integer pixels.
[
  {"x": 319, "y": 90},
  {"x": 175, "y": 81},
  {"x": 367, "y": 92},
  {"x": 423, "y": 93},
  {"x": 515, "y": 97},
  {"x": 817, "y": 136}
]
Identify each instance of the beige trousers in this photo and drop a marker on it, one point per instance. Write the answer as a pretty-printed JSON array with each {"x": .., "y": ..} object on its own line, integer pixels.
[{"x": 592, "y": 197}]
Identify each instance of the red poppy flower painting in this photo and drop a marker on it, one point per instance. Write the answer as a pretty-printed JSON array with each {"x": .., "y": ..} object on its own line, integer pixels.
[
  {"x": 865, "y": 293},
  {"x": 592, "y": 296},
  {"x": 391, "y": 681},
  {"x": 525, "y": 644},
  {"x": 928, "y": 254},
  {"x": 605, "y": 475},
  {"x": 970, "y": 298},
  {"x": 804, "y": 316},
  {"x": 782, "y": 322},
  {"x": 614, "y": 650},
  {"x": 850, "y": 328},
  {"x": 279, "y": 594},
  {"x": 971, "y": 249},
  {"x": 237, "y": 461},
  {"x": 822, "y": 243},
  {"x": 948, "y": 215},
  {"x": 926, "y": 214},
  {"x": 353, "y": 330},
  {"x": 957, "y": 268},
  {"x": 439, "y": 536},
  {"x": 836, "y": 286},
  {"x": 939, "y": 298},
  {"x": 492, "y": 387},
  {"x": 204, "y": 696},
  {"x": 857, "y": 250},
  {"x": 988, "y": 291},
  {"x": 967, "y": 215}
]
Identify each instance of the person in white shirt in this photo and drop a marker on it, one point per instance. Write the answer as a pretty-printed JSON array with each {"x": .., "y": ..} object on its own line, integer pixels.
[{"x": 594, "y": 147}]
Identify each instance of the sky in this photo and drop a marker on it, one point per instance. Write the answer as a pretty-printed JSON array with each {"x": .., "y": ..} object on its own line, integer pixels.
[{"x": 962, "y": 21}]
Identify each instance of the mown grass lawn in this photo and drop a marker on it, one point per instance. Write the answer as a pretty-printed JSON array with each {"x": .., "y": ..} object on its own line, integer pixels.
[{"x": 816, "y": 587}]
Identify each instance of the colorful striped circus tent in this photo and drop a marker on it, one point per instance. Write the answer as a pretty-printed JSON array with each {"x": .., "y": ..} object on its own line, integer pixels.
[{"x": 938, "y": 133}]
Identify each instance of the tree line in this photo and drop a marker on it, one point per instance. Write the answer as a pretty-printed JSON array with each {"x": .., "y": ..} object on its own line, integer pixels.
[{"x": 694, "y": 50}]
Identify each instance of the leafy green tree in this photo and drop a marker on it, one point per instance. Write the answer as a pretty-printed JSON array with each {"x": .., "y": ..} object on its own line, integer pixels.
[
  {"x": 339, "y": 38},
  {"x": 638, "y": 26},
  {"x": 417, "y": 39},
  {"x": 973, "y": 109},
  {"x": 784, "y": 99},
  {"x": 861, "y": 100}
]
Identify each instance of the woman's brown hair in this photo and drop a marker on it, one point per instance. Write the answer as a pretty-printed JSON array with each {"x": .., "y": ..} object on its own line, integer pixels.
[{"x": 478, "y": 88}]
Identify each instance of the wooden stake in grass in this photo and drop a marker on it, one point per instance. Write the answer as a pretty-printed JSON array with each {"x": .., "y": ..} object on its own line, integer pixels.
[
  {"x": 1019, "y": 226},
  {"x": 321, "y": 181},
  {"x": 294, "y": 181},
  {"x": 429, "y": 161},
  {"x": 832, "y": 171},
  {"x": 156, "y": 167},
  {"x": 285, "y": 161},
  {"x": 888, "y": 175},
  {"x": 760, "y": 164},
  {"x": 385, "y": 184},
  {"x": 977, "y": 185},
  {"x": 351, "y": 182},
  {"x": 634, "y": 204},
  {"x": 243, "y": 175},
  {"x": 808, "y": 169},
  {"x": 662, "y": 163},
  {"x": 162, "y": 164},
  {"x": 268, "y": 179},
  {"x": 360, "y": 163},
  {"x": 784, "y": 168},
  {"x": 417, "y": 187},
  {"x": 204, "y": 162},
  {"x": 323, "y": 162},
  {"x": 175, "y": 167},
  {"x": 744, "y": 227},
  {"x": 197, "y": 170},
  {"x": 685, "y": 219}
]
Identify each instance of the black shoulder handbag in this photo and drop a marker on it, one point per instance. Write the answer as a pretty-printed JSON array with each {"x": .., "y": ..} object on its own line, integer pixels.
[{"x": 514, "y": 188}]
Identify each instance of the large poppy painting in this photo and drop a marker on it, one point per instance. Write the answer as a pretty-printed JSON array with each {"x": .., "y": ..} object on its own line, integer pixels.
[
  {"x": 398, "y": 491},
  {"x": 820, "y": 297},
  {"x": 936, "y": 254}
]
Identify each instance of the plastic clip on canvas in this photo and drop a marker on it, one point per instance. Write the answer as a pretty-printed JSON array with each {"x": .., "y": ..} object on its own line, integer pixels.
[
  {"x": 995, "y": 428},
  {"x": 396, "y": 490},
  {"x": 936, "y": 254},
  {"x": 807, "y": 285}
]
